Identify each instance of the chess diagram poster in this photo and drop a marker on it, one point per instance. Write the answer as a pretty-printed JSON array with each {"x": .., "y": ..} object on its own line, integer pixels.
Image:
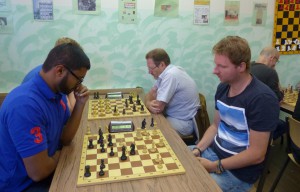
[
  {"x": 259, "y": 14},
  {"x": 91, "y": 7},
  {"x": 286, "y": 32},
  {"x": 166, "y": 8},
  {"x": 4, "y": 5},
  {"x": 201, "y": 12},
  {"x": 43, "y": 10},
  {"x": 127, "y": 11},
  {"x": 232, "y": 11}
]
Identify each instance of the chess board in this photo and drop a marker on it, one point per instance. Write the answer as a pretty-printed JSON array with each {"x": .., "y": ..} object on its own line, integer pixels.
[
  {"x": 115, "y": 108},
  {"x": 286, "y": 33},
  {"x": 290, "y": 98},
  {"x": 142, "y": 165}
]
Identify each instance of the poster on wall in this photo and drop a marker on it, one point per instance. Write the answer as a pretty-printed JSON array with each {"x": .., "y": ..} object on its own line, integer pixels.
[
  {"x": 6, "y": 23},
  {"x": 4, "y": 5},
  {"x": 166, "y": 8},
  {"x": 127, "y": 11},
  {"x": 232, "y": 11},
  {"x": 259, "y": 16},
  {"x": 286, "y": 32},
  {"x": 201, "y": 12},
  {"x": 91, "y": 7},
  {"x": 43, "y": 10}
]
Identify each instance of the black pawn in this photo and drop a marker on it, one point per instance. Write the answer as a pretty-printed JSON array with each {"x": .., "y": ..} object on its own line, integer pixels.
[
  {"x": 87, "y": 172},
  {"x": 115, "y": 109},
  {"x": 133, "y": 108},
  {"x": 90, "y": 146},
  {"x": 102, "y": 165},
  {"x": 102, "y": 149},
  {"x": 142, "y": 108},
  {"x": 111, "y": 152},
  {"x": 123, "y": 157},
  {"x": 124, "y": 111},
  {"x": 144, "y": 124},
  {"x": 152, "y": 122},
  {"x": 132, "y": 151},
  {"x": 101, "y": 172}
]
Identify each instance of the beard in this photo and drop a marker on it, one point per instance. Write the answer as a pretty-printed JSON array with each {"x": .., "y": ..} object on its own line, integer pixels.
[{"x": 63, "y": 86}]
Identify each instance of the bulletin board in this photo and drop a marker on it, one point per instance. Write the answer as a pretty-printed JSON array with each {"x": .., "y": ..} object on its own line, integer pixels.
[{"x": 286, "y": 33}]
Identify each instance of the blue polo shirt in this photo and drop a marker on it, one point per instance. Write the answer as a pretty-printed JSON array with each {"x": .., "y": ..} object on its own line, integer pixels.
[{"x": 31, "y": 120}]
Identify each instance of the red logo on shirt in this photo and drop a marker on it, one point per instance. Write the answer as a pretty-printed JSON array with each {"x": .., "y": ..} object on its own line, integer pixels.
[
  {"x": 36, "y": 131},
  {"x": 63, "y": 104}
]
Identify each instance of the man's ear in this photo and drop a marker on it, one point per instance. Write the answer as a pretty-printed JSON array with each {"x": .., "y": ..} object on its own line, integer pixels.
[
  {"x": 59, "y": 70},
  {"x": 242, "y": 66}
]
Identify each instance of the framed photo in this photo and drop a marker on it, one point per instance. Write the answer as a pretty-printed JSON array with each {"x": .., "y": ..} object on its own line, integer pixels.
[
  {"x": 43, "y": 10},
  {"x": 91, "y": 7},
  {"x": 4, "y": 5},
  {"x": 6, "y": 23}
]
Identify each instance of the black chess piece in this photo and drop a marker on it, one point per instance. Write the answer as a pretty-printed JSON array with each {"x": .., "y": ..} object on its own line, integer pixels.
[
  {"x": 144, "y": 124},
  {"x": 102, "y": 165},
  {"x": 90, "y": 146},
  {"x": 132, "y": 151},
  {"x": 115, "y": 109},
  {"x": 130, "y": 99},
  {"x": 124, "y": 111},
  {"x": 109, "y": 139},
  {"x": 123, "y": 157},
  {"x": 134, "y": 108},
  {"x": 152, "y": 122},
  {"x": 126, "y": 103},
  {"x": 101, "y": 143},
  {"x": 87, "y": 172},
  {"x": 142, "y": 108},
  {"x": 101, "y": 172},
  {"x": 111, "y": 152},
  {"x": 95, "y": 95},
  {"x": 102, "y": 149}
]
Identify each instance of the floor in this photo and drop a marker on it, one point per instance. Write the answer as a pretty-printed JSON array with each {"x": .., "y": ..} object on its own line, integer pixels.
[{"x": 290, "y": 180}]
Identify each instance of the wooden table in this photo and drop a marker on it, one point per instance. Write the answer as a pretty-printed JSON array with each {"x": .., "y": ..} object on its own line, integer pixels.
[
  {"x": 285, "y": 107},
  {"x": 196, "y": 177}
]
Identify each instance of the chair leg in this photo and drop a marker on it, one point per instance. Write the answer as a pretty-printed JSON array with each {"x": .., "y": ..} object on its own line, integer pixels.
[{"x": 274, "y": 185}]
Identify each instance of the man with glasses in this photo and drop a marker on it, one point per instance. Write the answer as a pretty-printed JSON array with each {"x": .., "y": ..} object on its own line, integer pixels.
[
  {"x": 174, "y": 93},
  {"x": 69, "y": 99},
  {"x": 264, "y": 70},
  {"x": 34, "y": 120}
]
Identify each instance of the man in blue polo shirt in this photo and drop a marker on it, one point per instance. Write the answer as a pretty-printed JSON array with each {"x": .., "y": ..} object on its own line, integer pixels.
[
  {"x": 174, "y": 92},
  {"x": 34, "y": 119}
]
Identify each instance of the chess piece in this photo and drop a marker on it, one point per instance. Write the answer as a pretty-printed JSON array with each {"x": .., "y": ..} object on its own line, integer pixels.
[
  {"x": 88, "y": 131},
  {"x": 138, "y": 134},
  {"x": 123, "y": 157},
  {"x": 152, "y": 122},
  {"x": 153, "y": 149},
  {"x": 110, "y": 140},
  {"x": 145, "y": 149},
  {"x": 102, "y": 148},
  {"x": 102, "y": 165},
  {"x": 101, "y": 172},
  {"x": 134, "y": 108},
  {"x": 160, "y": 166},
  {"x": 161, "y": 143},
  {"x": 132, "y": 150},
  {"x": 87, "y": 172},
  {"x": 111, "y": 152},
  {"x": 124, "y": 112},
  {"x": 130, "y": 99},
  {"x": 142, "y": 108},
  {"x": 144, "y": 123},
  {"x": 126, "y": 104},
  {"x": 90, "y": 146},
  {"x": 157, "y": 160}
]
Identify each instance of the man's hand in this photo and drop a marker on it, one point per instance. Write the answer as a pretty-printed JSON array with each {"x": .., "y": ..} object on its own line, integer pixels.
[
  {"x": 81, "y": 94},
  {"x": 210, "y": 166}
]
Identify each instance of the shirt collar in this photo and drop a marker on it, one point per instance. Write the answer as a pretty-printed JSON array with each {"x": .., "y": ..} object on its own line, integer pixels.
[{"x": 45, "y": 89}]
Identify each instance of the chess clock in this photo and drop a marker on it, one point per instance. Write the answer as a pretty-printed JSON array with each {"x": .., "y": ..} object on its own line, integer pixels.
[
  {"x": 120, "y": 126},
  {"x": 114, "y": 95}
]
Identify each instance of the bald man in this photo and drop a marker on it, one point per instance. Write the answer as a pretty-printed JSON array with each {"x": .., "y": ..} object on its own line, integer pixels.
[{"x": 264, "y": 69}]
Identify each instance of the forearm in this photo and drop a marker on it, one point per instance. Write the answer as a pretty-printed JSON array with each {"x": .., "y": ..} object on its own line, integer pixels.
[
  {"x": 72, "y": 125},
  {"x": 208, "y": 137}
]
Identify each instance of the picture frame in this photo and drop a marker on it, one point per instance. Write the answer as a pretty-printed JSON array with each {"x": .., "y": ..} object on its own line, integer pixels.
[
  {"x": 4, "y": 5},
  {"x": 90, "y": 7},
  {"x": 6, "y": 23}
]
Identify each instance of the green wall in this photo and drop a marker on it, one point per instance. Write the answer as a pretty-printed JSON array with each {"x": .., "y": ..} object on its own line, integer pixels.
[{"x": 117, "y": 50}]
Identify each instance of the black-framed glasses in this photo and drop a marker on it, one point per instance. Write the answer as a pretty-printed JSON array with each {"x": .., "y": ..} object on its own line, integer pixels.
[
  {"x": 80, "y": 80},
  {"x": 277, "y": 60},
  {"x": 152, "y": 68}
]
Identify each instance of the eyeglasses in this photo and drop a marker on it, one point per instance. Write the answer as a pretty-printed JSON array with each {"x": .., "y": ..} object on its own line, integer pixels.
[
  {"x": 151, "y": 68},
  {"x": 80, "y": 80},
  {"x": 277, "y": 60}
]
